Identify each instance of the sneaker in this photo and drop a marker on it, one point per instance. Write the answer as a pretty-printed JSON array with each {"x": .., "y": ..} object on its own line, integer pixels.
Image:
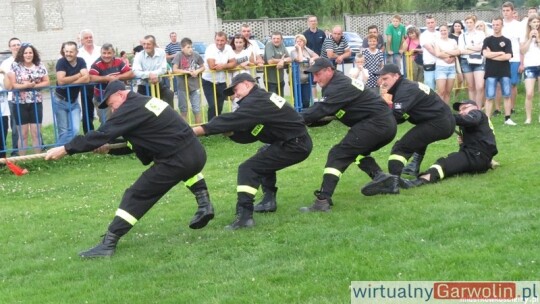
[
  {"x": 382, "y": 184},
  {"x": 527, "y": 122},
  {"x": 496, "y": 113},
  {"x": 510, "y": 122}
]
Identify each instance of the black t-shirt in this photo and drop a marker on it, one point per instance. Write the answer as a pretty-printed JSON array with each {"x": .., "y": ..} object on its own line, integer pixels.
[{"x": 495, "y": 68}]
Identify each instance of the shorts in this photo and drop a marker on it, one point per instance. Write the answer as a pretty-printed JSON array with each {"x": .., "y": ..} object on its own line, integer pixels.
[
  {"x": 28, "y": 113},
  {"x": 445, "y": 72},
  {"x": 470, "y": 68},
  {"x": 532, "y": 72},
  {"x": 491, "y": 87},
  {"x": 515, "y": 77}
]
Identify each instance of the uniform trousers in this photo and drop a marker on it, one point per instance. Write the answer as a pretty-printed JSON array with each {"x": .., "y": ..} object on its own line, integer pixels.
[
  {"x": 464, "y": 161},
  {"x": 417, "y": 139},
  {"x": 363, "y": 138},
  {"x": 261, "y": 168},
  {"x": 157, "y": 180}
]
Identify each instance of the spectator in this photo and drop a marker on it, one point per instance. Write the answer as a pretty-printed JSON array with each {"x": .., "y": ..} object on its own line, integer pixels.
[
  {"x": 358, "y": 72},
  {"x": 4, "y": 111},
  {"x": 335, "y": 47},
  {"x": 314, "y": 35},
  {"x": 276, "y": 54},
  {"x": 28, "y": 74},
  {"x": 513, "y": 30},
  {"x": 374, "y": 61},
  {"x": 446, "y": 51},
  {"x": 427, "y": 41},
  {"x": 531, "y": 61},
  {"x": 90, "y": 53},
  {"x": 242, "y": 55},
  {"x": 245, "y": 30},
  {"x": 498, "y": 51},
  {"x": 172, "y": 48},
  {"x": 70, "y": 70},
  {"x": 106, "y": 69},
  {"x": 124, "y": 57},
  {"x": 395, "y": 34},
  {"x": 189, "y": 63},
  {"x": 304, "y": 56},
  {"x": 374, "y": 30},
  {"x": 219, "y": 57},
  {"x": 455, "y": 31},
  {"x": 471, "y": 60},
  {"x": 412, "y": 46},
  {"x": 150, "y": 65},
  {"x": 14, "y": 46}
]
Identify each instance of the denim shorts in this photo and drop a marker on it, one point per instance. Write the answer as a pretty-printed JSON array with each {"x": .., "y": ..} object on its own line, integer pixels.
[
  {"x": 491, "y": 86},
  {"x": 470, "y": 68},
  {"x": 515, "y": 76},
  {"x": 445, "y": 72},
  {"x": 532, "y": 72}
]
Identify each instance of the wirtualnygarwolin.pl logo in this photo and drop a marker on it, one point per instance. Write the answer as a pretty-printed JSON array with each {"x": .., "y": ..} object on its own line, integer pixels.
[{"x": 414, "y": 292}]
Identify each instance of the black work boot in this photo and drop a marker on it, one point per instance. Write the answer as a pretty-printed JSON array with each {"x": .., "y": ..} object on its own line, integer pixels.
[
  {"x": 413, "y": 167},
  {"x": 319, "y": 205},
  {"x": 105, "y": 249},
  {"x": 204, "y": 213},
  {"x": 244, "y": 218},
  {"x": 382, "y": 184},
  {"x": 268, "y": 203}
]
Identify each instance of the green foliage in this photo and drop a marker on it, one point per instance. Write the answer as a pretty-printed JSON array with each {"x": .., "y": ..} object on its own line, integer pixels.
[
  {"x": 252, "y": 9},
  {"x": 469, "y": 228}
]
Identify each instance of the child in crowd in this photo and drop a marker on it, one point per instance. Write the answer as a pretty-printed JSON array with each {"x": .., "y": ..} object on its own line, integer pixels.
[
  {"x": 189, "y": 63},
  {"x": 359, "y": 72},
  {"x": 374, "y": 61}
]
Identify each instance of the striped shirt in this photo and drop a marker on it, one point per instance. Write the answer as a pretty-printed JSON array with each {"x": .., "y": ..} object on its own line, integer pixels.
[{"x": 338, "y": 48}]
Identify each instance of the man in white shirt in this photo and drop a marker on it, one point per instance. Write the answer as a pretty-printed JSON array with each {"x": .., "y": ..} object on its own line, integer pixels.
[
  {"x": 14, "y": 45},
  {"x": 427, "y": 41},
  {"x": 90, "y": 53},
  {"x": 149, "y": 65},
  {"x": 513, "y": 30},
  {"x": 219, "y": 57}
]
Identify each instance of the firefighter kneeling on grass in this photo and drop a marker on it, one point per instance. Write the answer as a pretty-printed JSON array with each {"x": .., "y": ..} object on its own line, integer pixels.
[{"x": 157, "y": 134}]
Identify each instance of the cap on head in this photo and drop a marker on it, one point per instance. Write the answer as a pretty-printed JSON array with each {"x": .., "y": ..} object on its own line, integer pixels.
[
  {"x": 319, "y": 64},
  {"x": 387, "y": 69},
  {"x": 457, "y": 104},
  {"x": 236, "y": 80},
  {"x": 112, "y": 87}
]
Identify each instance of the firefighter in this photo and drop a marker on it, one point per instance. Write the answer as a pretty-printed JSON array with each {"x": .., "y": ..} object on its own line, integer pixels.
[
  {"x": 157, "y": 134},
  {"x": 266, "y": 117},
  {"x": 370, "y": 121}
]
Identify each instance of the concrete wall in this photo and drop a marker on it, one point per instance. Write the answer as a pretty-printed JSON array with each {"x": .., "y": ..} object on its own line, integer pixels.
[{"x": 48, "y": 23}]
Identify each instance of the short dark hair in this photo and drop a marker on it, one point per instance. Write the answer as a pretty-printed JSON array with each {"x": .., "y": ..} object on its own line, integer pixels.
[
  {"x": 185, "y": 41},
  {"x": 14, "y": 38},
  {"x": 373, "y": 26}
]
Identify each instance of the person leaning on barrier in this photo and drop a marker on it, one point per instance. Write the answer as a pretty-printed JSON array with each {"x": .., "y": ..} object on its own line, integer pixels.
[
  {"x": 157, "y": 134},
  {"x": 149, "y": 65},
  {"x": 266, "y": 117},
  {"x": 477, "y": 146},
  {"x": 70, "y": 70},
  {"x": 416, "y": 103},
  {"x": 370, "y": 121}
]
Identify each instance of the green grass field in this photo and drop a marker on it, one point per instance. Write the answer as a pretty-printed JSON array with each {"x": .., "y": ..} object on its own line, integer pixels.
[{"x": 482, "y": 227}]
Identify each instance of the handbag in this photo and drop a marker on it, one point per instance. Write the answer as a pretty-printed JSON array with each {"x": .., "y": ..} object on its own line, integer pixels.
[
  {"x": 429, "y": 67},
  {"x": 475, "y": 59}
]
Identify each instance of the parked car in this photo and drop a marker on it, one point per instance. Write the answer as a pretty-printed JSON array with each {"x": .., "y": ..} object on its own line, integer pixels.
[
  {"x": 289, "y": 43},
  {"x": 355, "y": 43},
  {"x": 200, "y": 47}
]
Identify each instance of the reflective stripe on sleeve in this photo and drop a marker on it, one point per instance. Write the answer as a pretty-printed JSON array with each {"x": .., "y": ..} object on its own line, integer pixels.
[{"x": 358, "y": 159}]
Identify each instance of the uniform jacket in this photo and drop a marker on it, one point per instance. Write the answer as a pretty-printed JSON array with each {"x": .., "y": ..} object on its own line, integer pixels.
[
  {"x": 416, "y": 102},
  {"x": 346, "y": 99},
  {"x": 153, "y": 129},
  {"x": 261, "y": 116},
  {"x": 477, "y": 132}
]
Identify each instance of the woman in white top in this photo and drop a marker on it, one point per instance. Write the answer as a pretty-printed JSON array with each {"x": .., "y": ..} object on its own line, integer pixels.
[
  {"x": 446, "y": 51},
  {"x": 472, "y": 65},
  {"x": 243, "y": 56},
  {"x": 531, "y": 60}
]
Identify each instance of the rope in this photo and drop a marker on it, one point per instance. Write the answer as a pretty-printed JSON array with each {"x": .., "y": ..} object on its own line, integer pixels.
[{"x": 42, "y": 155}]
